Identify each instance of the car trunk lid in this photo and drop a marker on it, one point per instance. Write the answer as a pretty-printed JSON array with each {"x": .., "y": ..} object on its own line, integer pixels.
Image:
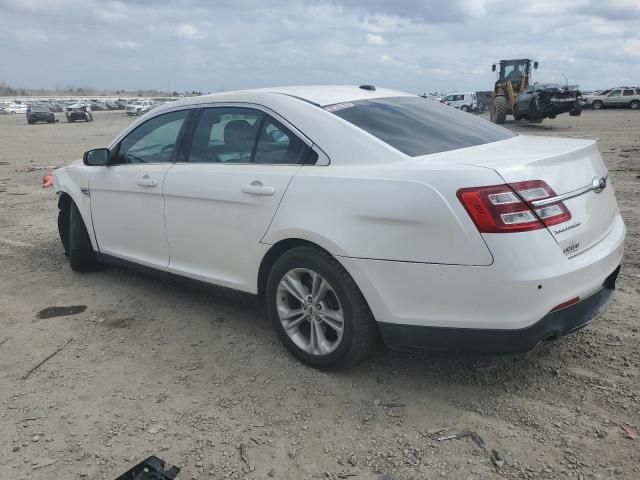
[{"x": 573, "y": 169}]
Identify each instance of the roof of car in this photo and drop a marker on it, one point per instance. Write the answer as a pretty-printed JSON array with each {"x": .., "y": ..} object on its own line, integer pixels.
[{"x": 321, "y": 95}]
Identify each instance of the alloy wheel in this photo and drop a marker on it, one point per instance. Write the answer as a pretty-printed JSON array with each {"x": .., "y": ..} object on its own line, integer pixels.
[{"x": 310, "y": 311}]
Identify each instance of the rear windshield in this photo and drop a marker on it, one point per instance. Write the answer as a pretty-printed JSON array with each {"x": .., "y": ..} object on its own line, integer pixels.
[
  {"x": 418, "y": 126},
  {"x": 39, "y": 108}
]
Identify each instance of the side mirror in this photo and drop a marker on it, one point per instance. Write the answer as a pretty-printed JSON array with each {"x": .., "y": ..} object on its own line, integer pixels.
[
  {"x": 493, "y": 67},
  {"x": 98, "y": 157},
  {"x": 535, "y": 65}
]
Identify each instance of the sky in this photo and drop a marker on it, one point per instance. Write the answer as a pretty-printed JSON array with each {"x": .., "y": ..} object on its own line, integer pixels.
[{"x": 416, "y": 46}]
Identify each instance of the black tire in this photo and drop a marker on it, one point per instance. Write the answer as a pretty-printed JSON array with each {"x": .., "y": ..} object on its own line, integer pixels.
[
  {"x": 464, "y": 108},
  {"x": 82, "y": 258},
  {"x": 360, "y": 335},
  {"x": 597, "y": 105},
  {"x": 634, "y": 104},
  {"x": 63, "y": 224},
  {"x": 499, "y": 109}
]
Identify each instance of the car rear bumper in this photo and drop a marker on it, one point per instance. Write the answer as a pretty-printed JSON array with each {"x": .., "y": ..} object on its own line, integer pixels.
[
  {"x": 530, "y": 276},
  {"x": 500, "y": 341}
]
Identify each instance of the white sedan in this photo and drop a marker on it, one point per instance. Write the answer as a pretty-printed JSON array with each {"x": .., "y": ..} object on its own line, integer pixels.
[
  {"x": 355, "y": 213},
  {"x": 15, "y": 108}
]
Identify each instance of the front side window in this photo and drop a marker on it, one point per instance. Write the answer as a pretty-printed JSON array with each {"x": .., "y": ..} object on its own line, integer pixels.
[
  {"x": 615, "y": 93},
  {"x": 155, "y": 141},
  {"x": 416, "y": 126}
]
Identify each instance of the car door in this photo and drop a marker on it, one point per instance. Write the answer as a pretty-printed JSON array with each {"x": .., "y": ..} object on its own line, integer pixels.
[
  {"x": 222, "y": 198},
  {"x": 627, "y": 97},
  {"x": 614, "y": 99},
  {"x": 127, "y": 206}
]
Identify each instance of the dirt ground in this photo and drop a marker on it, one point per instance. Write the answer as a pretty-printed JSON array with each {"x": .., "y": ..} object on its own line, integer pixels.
[{"x": 201, "y": 380}]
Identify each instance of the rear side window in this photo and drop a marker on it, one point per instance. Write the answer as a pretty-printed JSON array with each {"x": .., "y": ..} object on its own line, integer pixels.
[
  {"x": 277, "y": 144},
  {"x": 225, "y": 135},
  {"x": 418, "y": 126},
  {"x": 245, "y": 135},
  {"x": 627, "y": 93}
]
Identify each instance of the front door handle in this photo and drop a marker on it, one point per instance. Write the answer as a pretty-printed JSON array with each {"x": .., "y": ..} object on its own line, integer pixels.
[
  {"x": 146, "y": 181},
  {"x": 256, "y": 188}
]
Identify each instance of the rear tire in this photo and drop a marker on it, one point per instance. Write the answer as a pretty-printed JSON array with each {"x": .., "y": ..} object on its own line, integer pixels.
[
  {"x": 340, "y": 304},
  {"x": 634, "y": 104},
  {"x": 464, "y": 108},
  {"x": 82, "y": 258},
  {"x": 499, "y": 109}
]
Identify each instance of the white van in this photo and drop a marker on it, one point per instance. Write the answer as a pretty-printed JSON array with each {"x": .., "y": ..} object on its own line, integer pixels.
[{"x": 465, "y": 101}]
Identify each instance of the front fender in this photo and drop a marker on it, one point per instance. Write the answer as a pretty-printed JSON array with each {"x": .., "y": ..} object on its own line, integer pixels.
[{"x": 72, "y": 180}]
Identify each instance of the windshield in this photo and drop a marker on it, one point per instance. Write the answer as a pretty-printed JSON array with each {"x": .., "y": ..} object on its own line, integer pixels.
[
  {"x": 39, "y": 108},
  {"x": 416, "y": 126}
]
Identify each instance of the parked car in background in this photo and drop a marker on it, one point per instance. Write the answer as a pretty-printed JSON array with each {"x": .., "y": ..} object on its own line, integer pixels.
[
  {"x": 78, "y": 111},
  {"x": 98, "y": 106},
  {"x": 465, "y": 101},
  {"x": 355, "y": 212},
  {"x": 139, "y": 107},
  {"x": 115, "y": 105},
  {"x": 625, "y": 97},
  {"x": 12, "y": 109},
  {"x": 39, "y": 113},
  {"x": 56, "y": 106}
]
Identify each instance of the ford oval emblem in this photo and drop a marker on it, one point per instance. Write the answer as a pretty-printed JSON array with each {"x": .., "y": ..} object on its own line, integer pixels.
[{"x": 599, "y": 184}]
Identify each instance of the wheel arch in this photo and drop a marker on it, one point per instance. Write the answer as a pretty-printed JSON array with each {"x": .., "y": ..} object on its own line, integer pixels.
[
  {"x": 66, "y": 196},
  {"x": 276, "y": 251}
]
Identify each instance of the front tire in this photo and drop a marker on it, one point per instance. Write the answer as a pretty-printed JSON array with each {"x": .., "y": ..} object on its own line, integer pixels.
[
  {"x": 597, "y": 105},
  {"x": 318, "y": 311},
  {"x": 499, "y": 109},
  {"x": 82, "y": 258}
]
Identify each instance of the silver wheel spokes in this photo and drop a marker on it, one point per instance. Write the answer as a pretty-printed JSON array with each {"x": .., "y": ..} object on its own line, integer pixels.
[{"x": 310, "y": 311}]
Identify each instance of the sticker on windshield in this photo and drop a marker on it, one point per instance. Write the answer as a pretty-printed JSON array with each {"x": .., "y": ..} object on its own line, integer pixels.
[{"x": 338, "y": 106}]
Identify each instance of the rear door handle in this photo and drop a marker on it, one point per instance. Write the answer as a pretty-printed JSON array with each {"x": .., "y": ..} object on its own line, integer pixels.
[
  {"x": 146, "y": 181},
  {"x": 256, "y": 188}
]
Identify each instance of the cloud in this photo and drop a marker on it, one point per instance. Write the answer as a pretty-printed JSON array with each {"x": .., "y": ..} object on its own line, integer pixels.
[
  {"x": 126, "y": 44},
  {"x": 375, "y": 40},
  {"x": 411, "y": 45},
  {"x": 388, "y": 60},
  {"x": 188, "y": 31}
]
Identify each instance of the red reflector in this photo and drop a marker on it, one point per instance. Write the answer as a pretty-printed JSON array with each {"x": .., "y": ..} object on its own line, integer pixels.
[
  {"x": 566, "y": 304},
  {"x": 507, "y": 208}
]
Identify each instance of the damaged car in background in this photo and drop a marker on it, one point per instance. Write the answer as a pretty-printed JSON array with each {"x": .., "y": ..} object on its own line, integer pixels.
[
  {"x": 546, "y": 100},
  {"x": 78, "y": 111},
  {"x": 515, "y": 94}
]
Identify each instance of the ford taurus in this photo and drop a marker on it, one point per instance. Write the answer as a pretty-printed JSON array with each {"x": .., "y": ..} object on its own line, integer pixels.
[{"x": 356, "y": 213}]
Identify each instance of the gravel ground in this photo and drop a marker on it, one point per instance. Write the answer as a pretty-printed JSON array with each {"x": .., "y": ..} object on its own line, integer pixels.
[{"x": 200, "y": 379}]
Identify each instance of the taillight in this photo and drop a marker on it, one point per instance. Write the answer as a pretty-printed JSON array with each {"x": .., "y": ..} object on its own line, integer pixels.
[{"x": 508, "y": 208}]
